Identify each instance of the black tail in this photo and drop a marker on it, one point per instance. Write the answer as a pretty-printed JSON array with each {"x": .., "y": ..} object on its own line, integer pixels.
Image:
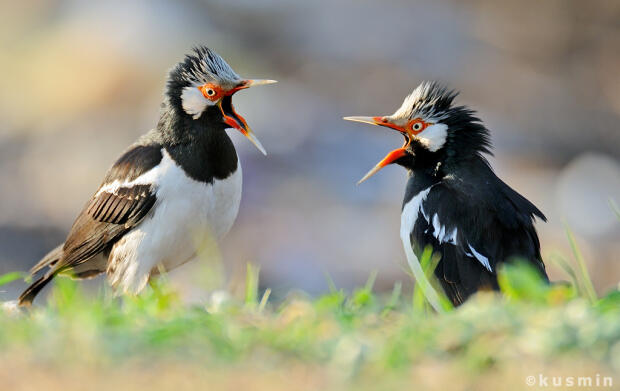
[
  {"x": 49, "y": 260},
  {"x": 26, "y": 298},
  {"x": 461, "y": 278},
  {"x": 459, "y": 292}
]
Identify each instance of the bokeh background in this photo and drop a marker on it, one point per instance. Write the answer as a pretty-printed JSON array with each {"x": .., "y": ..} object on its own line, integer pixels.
[{"x": 81, "y": 80}]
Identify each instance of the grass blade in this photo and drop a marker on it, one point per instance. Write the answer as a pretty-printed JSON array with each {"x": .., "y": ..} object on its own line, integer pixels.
[
  {"x": 10, "y": 277},
  {"x": 394, "y": 298},
  {"x": 264, "y": 299},
  {"x": 370, "y": 283},
  {"x": 568, "y": 269},
  {"x": 330, "y": 282},
  {"x": 584, "y": 274},
  {"x": 429, "y": 263},
  {"x": 614, "y": 207},
  {"x": 251, "y": 285},
  {"x": 426, "y": 287}
]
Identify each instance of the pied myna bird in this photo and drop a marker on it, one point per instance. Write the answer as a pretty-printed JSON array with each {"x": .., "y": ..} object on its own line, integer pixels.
[
  {"x": 178, "y": 185},
  {"x": 453, "y": 201}
]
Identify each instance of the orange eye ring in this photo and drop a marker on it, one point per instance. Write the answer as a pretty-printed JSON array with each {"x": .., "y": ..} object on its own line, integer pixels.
[
  {"x": 417, "y": 125},
  {"x": 211, "y": 91}
]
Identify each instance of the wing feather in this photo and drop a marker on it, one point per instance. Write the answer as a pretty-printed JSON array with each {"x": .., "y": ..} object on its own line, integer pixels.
[
  {"x": 488, "y": 227},
  {"x": 119, "y": 205}
]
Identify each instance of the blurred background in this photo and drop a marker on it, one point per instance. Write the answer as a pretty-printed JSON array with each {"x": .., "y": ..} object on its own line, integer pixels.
[{"x": 81, "y": 80}]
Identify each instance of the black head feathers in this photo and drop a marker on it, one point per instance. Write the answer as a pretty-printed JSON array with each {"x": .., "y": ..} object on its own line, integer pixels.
[{"x": 201, "y": 66}]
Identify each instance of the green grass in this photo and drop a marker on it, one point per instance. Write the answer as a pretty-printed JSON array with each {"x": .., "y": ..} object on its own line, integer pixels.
[{"x": 341, "y": 340}]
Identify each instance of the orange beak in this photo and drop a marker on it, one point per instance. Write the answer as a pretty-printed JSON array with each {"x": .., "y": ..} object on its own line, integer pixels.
[
  {"x": 234, "y": 119},
  {"x": 393, "y": 155}
]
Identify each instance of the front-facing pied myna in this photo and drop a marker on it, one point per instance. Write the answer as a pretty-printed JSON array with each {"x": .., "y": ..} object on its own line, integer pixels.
[{"x": 453, "y": 201}]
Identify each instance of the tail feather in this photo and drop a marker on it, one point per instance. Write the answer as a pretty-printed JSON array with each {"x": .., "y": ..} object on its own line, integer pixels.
[
  {"x": 454, "y": 291},
  {"x": 49, "y": 260},
  {"x": 461, "y": 277},
  {"x": 26, "y": 298}
]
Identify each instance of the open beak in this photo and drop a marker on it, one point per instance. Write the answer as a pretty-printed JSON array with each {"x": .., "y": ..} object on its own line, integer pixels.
[
  {"x": 388, "y": 159},
  {"x": 234, "y": 120},
  {"x": 393, "y": 155}
]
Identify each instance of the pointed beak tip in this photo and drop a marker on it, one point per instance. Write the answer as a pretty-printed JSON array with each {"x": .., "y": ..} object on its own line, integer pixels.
[
  {"x": 364, "y": 179},
  {"x": 369, "y": 174},
  {"x": 365, "y": 120},
  {"x": 259, "y": 146},
  {"x": 256, "y": 143},
  {"x": 259, "y": 82}
]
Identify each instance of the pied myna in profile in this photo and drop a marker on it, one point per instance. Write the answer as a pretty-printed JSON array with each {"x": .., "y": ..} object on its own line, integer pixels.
[
  {"x": 178, "y": 185},
  {"x": 453, "y": 201}
]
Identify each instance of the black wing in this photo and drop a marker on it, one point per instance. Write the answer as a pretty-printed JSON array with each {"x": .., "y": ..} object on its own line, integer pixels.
[{"x": 476, "y": 225}]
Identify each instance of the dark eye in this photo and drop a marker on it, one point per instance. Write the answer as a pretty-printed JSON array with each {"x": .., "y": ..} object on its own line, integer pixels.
[
  {"x": 210, "y": 91},
  {"x": 417, "y": 126}
]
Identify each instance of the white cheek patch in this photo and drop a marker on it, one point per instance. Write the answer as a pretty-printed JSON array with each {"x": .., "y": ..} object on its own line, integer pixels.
[
  {"x": 433, "y": 137},
  {"x": 194, "y": 103}
]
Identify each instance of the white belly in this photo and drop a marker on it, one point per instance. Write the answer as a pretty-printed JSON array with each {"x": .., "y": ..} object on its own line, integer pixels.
[{"x": 187, "y": 214}]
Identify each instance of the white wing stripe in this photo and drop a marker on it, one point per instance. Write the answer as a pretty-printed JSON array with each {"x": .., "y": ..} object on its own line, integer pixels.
[
  {"x": 151, "y": 177},
  {"x": 423, "y": 212},
  {"x": 410, "y": 212},
  {"x": 436, "y": 226},
  {"x": 440, "y": 232},
  {"x": 481, "y": 258},
  {"x": 452, "y": 238}
]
